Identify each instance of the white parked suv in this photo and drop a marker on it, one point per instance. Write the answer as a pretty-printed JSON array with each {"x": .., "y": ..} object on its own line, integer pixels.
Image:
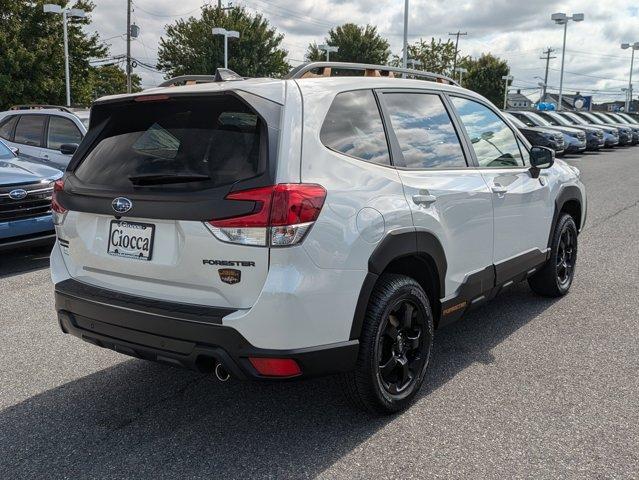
[{"x": 275, "y": 229}]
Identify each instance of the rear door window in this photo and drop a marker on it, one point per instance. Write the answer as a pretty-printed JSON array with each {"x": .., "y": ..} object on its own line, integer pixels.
[
  {"x": 6, "y": 127},
  {"x": 424, "y": 131},
  {"x": 61, "y": 131},
  {"x": 30, "y": 130},
  {"x": 353, "y": 126},
  {"x": 182, "y": 144}
]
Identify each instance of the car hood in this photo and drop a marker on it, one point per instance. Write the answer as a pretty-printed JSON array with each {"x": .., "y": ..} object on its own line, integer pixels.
[
  {"x": 568, "y": 130},
  {"x": 586, "y": 128},
  {"x": 540, "y": 130},
  {"x": 18, "y": 171}
]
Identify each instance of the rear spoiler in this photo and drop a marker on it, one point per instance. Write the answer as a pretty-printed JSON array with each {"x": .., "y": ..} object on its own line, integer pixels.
[{"x": 221, "y": 75}]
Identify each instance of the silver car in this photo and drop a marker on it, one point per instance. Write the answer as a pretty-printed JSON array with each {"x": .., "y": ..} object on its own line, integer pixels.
[{"x": 49, "y": 135}]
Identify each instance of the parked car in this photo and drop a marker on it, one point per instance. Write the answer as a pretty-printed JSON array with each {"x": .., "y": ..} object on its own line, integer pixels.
[
  {"x": 49, "y": 135},
  {"x": 611, "y": 134},
  {"x": 626, "y": 136},
  {"x": 608, "y": 119},
  {"x": 304, "y": 226},
  {"x": 595, "y": 137},
  {"x": 574, "y": 138},
  {"x": 26, "y": 188},
  {"x": 539, "y": 136}
]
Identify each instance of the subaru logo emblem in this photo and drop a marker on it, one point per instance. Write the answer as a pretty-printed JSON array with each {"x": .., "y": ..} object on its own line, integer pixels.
[
  {"x": 17, "y": 194},
  {"x": 121, "y": 204}
]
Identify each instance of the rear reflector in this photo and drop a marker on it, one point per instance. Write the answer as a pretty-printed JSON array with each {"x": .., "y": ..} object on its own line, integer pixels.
[
  {"x": 282, "y": 215},
  {"x": 276, "y": 367}
]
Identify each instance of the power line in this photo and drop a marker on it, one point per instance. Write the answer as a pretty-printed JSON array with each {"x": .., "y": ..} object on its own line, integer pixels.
[{"x": 161, "y": 15}]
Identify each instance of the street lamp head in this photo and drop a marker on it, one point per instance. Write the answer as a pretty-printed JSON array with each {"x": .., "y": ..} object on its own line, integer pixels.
[
  {"x": 559, "y": 17},
  {"x": 507, "y": 77},
  {"x": 625, "y": 46},
  {"x": 233, "y": 34},
  {"x": 52, "y": 8},
  {"x": 218, "y": 31},
  {"x": 578, "y": 17},
  {"x": 76, "y": 12},
  {"x": 635, "y": 46}
]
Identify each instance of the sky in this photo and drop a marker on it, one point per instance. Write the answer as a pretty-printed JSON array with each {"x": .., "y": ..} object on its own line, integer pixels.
[{"x": 517, "y": 31}]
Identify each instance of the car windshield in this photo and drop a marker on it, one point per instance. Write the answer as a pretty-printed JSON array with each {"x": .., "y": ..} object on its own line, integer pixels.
[
  {"x": 554, "y": 119},
  {"x": 616, "y": 118},
  {"x": 515, "y": 121},
  {"x": 5, "y": 152},
  {"x": 574, "y": 119},
  {"x": 539, "y": 120},
  {"x": 594, "y": 118},
  {"x": 628, "y": 118}
]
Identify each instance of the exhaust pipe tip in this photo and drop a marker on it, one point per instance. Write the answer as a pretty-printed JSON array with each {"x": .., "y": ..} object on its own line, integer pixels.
[{"x": 221, "y": 374}]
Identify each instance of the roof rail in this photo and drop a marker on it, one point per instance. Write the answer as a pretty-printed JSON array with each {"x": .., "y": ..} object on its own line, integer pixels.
[
  {"x": 40, "y": 107},
  {"x": 221, "y": 75},
  {"x": 305, "y": 71}
]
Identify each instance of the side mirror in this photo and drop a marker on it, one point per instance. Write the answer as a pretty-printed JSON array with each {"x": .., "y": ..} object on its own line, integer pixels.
[
  {"x": 68, "y": 148},
  {"x": 540, "y": 158},
  {"x": 15, "y": 150}
]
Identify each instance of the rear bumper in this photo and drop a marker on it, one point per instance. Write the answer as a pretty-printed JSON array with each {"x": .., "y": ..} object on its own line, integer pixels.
[{"x": 184, "y": 335}]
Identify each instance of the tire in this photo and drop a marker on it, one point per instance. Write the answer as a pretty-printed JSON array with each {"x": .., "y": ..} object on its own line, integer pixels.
[
  {"x": 395, "y": 346},
  {"x": 556, "y": 276}
]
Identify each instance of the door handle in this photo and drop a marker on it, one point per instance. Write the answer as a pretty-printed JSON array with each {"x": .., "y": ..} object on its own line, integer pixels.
[
  {"x": 424, "y": 199},
  {"x": 499, "y": 190}
]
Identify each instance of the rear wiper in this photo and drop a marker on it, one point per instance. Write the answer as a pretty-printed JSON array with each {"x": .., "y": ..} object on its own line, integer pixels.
[{"x": 158, "y": 179}]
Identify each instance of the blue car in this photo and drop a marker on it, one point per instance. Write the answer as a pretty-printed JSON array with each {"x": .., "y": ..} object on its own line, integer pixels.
[{"x": 25, "y": 200}]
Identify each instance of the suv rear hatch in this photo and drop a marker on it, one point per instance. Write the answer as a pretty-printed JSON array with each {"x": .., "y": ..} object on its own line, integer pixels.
[{"x": 135, "y": 207}]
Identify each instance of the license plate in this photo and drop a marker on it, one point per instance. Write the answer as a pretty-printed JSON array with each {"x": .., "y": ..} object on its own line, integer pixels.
[{"x": 131, "y": 239}]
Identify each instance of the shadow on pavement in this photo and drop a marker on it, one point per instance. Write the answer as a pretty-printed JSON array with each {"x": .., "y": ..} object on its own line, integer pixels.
[
  {"x": 144, "y": 420},
  {"x": 15, "y": 262}
]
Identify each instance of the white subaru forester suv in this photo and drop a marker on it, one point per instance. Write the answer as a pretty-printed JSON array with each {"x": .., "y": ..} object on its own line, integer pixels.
[{"x": 317, "y": 224}]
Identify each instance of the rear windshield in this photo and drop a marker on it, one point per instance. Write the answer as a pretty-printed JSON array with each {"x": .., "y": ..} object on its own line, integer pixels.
[{"x": 180, "y": 144}]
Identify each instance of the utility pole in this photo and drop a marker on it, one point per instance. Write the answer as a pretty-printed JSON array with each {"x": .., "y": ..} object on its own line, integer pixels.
[
  {"x": 128, "y": 46},
  {"x": 405, "y": 53},
  {"x": 456, "y": 34},
  {"x": 547, "y": 52}
]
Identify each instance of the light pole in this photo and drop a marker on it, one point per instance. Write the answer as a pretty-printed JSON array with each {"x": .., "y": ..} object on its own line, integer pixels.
[
  {"x": 506, "y": 79},
  {"x": 461, "y": 71},
  {"x": 405, "y": 52},
  {"x": 66, "y": 14},
  {"x": 563, "y": 19},
  {"x": 227, "y": 34},
  {"x": 414, "y": 63},
  {"x": 633, "y": 47},
  {"x": 328, "y": 49}
]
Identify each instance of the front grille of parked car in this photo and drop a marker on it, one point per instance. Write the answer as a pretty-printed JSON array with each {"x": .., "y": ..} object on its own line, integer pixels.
[
  {"x": 36, "y": 203},
  {"x": 599, "y": 133},
  {"x": 560, "y": 140},
  {"x": 581, "y": 135}
]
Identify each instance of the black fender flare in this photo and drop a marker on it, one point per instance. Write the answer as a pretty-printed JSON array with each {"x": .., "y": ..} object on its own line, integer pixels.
[
  {"x": 567, "y": 193},
  {"x": 397, "y": 244}
]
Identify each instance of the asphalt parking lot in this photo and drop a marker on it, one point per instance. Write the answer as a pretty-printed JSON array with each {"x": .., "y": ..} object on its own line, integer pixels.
[{"x": 524, "y": 387}]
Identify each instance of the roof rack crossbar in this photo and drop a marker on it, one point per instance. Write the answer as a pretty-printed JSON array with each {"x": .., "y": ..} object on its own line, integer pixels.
[{"x": 302, "y": 70}]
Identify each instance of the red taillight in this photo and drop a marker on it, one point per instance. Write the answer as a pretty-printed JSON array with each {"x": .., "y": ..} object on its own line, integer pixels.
[
  {"x": 58, "y": 186},
  {"x": 277, "y": 205},
  {"x": 281, "y": 216},
  {"x": 276, "y": 367}
]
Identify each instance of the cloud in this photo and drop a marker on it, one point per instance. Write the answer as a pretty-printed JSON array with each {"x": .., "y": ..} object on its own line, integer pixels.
[{"x": 515, "y": 31}]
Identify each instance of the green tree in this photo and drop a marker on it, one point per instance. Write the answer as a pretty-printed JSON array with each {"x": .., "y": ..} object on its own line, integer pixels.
[
  {"x": 32, "y": 54},
  {"x": 111, "y": 80},
  {"x": 190, "y": 48},
  {"x": 435, "y": 56},
  {"x": 355, "y": 43},
  {"x": 484, "y": 76}
]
